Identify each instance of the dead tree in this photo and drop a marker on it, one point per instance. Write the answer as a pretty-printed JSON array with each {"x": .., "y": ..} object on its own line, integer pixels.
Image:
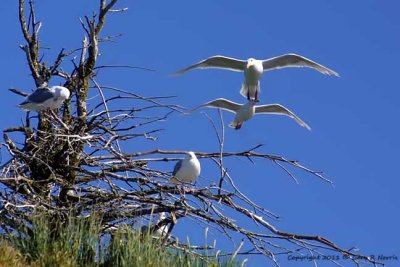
[{"x": 75, "y": 163}]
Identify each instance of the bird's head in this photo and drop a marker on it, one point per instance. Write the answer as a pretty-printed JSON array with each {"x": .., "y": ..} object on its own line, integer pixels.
[
  {"x": 190, "y": 155},
  {"x": 250, "y": 62},
  {"x": 61, "y": 91},
  {"x": 162, "y": 216}
]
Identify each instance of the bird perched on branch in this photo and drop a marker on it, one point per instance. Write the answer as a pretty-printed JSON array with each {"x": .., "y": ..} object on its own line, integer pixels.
[
  {"x": 155, "y": 230},
  {"x": 253, "y": 69},
  {"x": 45, "y": 98},
  {"x": 186, "y": 170},
  {"x": 246, "y": 111}
]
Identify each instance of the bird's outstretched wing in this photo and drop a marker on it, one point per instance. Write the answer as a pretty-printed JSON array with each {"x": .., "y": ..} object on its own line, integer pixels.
[
  {"x": 221, "y": 103},
  {"x": 40, "y": 95},
  {"x": 293, "y": 60},
  {"x": 280, "y": 110},
  {"x": 219, "y": 62}
]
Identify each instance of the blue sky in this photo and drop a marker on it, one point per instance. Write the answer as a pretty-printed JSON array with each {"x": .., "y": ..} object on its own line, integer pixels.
[{"x": 354, "y": 118}]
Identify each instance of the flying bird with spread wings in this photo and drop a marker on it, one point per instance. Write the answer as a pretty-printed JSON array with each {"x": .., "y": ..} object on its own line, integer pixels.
[
  {"x": 244, "y": 112},
  {"x": 253, "y": 69}
]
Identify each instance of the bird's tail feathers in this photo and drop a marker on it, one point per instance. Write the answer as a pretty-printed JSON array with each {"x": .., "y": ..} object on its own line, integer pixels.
[
  {"x": 251, "y": 92},
  {"x": 26, "y": 106}
]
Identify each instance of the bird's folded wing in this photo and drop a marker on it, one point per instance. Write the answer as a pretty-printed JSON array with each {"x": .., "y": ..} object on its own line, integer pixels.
[
  {"x": 177, "y": 167},
  {"x": 220, "y": 62},
  {"x": 40, "y": 95},
  {"x": 280, "y": 110},
  {"x": 293, "y": 60},
  {"x": 221, "y": 103}
]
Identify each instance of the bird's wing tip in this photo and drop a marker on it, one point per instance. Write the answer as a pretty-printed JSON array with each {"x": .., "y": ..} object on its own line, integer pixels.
[
  {"x": 305, "y": 125},
  {"x": 175, "y": 74},
  {"x": 333, "y": 73}
]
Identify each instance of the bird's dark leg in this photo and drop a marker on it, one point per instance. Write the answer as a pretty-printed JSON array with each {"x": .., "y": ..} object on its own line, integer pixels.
[
  {"x": 248, "y": 94},
  {"x": 28, "y": 119},
  {"x": 27, "y": 116},
  {"x": 256, "y": 97},
  {"x": 238, "y": 126}
]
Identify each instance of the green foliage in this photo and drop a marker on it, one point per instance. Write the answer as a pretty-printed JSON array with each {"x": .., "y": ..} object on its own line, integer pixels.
[
  {"x": 54, "y": 241},
  {"x": 72, "y": 242}
]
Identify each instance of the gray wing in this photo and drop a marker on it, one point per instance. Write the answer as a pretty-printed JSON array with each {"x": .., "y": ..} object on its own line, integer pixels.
[
  {"x": 219, "y": 62},
  {"x": 178, "y": 165},
  {"x": 280, "y": 110},
  {"x": 221, "y": 103},
  {"x": 39, "y": 96},
  {"x": 293, "y": 60}
]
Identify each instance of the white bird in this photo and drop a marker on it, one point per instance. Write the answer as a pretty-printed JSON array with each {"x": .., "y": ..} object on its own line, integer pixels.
[
  {"x": 253, "y": 69},
  {"x": 156, "y": 231},
  {"x": 45, "y": 98},
  {"x": 246, "y": 111},
  {"x": 186, "y": 170}
]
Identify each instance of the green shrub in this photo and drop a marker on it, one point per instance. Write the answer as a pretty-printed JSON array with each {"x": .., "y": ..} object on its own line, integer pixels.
[{"x": 69, "y": 242}]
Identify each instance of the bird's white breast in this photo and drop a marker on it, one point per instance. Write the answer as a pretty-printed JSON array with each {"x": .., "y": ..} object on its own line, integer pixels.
[
  {"x": 245, "y": 112},
  {"x": 65, "y": 94},
  {"x": 253, "y": 73},
  {"x": 189, "y": 171}
]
